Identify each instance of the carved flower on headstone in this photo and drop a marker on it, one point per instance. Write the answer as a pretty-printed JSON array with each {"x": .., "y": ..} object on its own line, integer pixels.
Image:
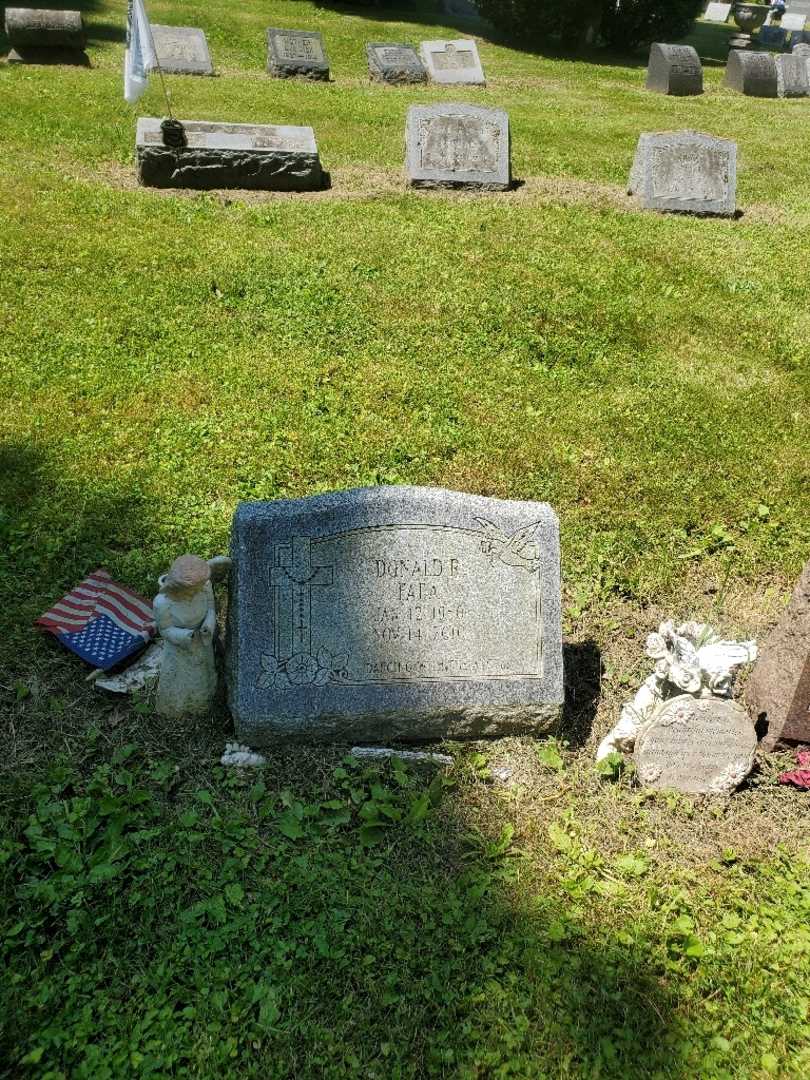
[{"x": 301, "y": 669}]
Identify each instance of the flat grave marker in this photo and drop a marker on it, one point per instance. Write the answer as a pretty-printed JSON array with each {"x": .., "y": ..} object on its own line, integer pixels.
[
  {"x": 685, "y": 172},
  {"x": 182, "y": 50},
  {"x": 297, "y": 53},
  {"x": 452, "y": 62},
  {"x": 264, "y": 157},
  {"x": 394, "y": 613},
  {"x": 717, "y": 13},
  {"x": 394, "y": 63},
  {"x": 458, "y": 146}
]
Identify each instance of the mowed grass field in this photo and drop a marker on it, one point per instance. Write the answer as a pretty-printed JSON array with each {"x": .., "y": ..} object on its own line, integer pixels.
[{"x": 165, "y": 355}]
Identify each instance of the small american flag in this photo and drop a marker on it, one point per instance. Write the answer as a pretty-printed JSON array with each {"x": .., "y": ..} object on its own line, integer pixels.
[{"x": 101, "y": 621}]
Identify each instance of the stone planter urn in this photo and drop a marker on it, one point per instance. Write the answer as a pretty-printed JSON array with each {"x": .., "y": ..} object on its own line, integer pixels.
[{"x": 750, "y": 17}]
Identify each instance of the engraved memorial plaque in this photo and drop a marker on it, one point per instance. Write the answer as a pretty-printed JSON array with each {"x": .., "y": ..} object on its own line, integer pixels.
[
  {"x": 452, "y": 61},
  {"x": 296, "y": 52},
  {"x": 392, "y": 63},
  {"x": 394, "y": 613},
  {"x": 685, "y": 172},
  {"x": 674, "y": 69},
  {"x": 182, "y": 50},
  {"x": 701, "y": 746},
  {"x": 458, "y": 146}
]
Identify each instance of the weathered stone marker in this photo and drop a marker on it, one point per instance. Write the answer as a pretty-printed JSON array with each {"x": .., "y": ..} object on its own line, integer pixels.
[
  {"x": 685, "y": 172},
  {"x": 674, "y": 69},
  {"x": 458, "y": 146},
  {"x": 792, "y": 79},
  {"x": 296, "y": 52},
  {"x": 394, "y": 613},
  {"x": 392, "y": 63},
  {"x": 701, "y": 746},
  {"x": 717, "y": 12},
  {"x": 182, "y": 50},
  {"x": 40, "y": 35},
  {"x": 262, "y": 157},
  {"x": 778, "y": 691},
  {"x": 452, "y": 62},
  {"x": 751, "y": 73}
]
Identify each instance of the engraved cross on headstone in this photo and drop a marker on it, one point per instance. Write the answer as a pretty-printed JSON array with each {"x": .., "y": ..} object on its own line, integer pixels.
[{"x": 292, "y": 578}]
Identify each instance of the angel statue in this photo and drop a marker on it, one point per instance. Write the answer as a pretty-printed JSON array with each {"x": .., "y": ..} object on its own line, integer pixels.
[
  {"x": 689, "y": 659},
  {"x": 186, "y": 621}
]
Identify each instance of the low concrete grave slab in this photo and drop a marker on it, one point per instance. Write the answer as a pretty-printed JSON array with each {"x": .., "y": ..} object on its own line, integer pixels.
[
  {"x": 452, "y": 62},
  {"x": 394, "y": 613},
  {"x": 39, "y": 35},
  {"x": 685, "y": 172},
  {"x": 751, "y": 73},
  {"x": 182, "y": 50},
  {"x": 297, "y": 53},
  {"x": 792, "y": 79},
  {"x": 394, "y": 63},
  {"x": 264, "y": 157},
  {"x": 458, "y": 146},
  {"x": 674, "y": 69}
]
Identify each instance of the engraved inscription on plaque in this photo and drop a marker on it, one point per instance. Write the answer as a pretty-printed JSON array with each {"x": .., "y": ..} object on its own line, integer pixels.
[
  {"x": 453, "y": 59},
  {"x": 391, "y": 55},
  {"x": 699, "y": 173},
  {"x": 459, "y": 144},
  {"x": 403, "y": 603},
  {"x": 299, "y": 48},
  {"x": 697, "y": 745}
]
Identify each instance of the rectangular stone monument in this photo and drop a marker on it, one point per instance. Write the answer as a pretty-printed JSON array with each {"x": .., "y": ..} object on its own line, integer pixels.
[
  {"x": 394, "y": 613},
  {"x": 674, "y": 69},
  {"x": 392, "y": 63},
  {"x": 751, "y": 73},
  {"x": 458, "y": 146},
  {"x": 793, "y": 21},
  {"x": 685, "y": 172},
  {"x": 262, "y": 157},
  {"x": 296, "y": 52},
  {"x": 792, "y": 76},
  {"x": 717, "y": 13},
  {"x": 37, "y": 35},
  {"x": 772, "y": 36},
  {"x": 452, "y": 62},
  {"x": 182, "y": 50}
]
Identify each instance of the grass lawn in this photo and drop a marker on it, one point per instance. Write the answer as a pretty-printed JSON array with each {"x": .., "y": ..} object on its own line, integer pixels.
[{"x": 164, "y": 355}]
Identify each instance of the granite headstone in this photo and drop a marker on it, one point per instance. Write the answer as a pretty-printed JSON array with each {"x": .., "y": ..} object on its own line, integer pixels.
[
  {"x": 296, "y": 52},
  {"x": 37, "y": 35},
  {"x": 751, "y": 73},
  {"x": 778, "y": 692},
  {"x": 182, "y": 50},
  {"x": 452, "y": 62},
  {"x": 700, "y": 746},
  {"x": 793, "y": 22},
  {"x": 792, "y": 76},
  {"x": 458, "y": 146},
  {"x": 685, "y": 172},
  {"x": 801, "y": 48},
  {"x": 262, "y": 157},
  {"x": 717, "y": 13},
  {"x": 390, "y": 62},
  {"x": 674, "y": 69},
  {"x": 394, "y": 613},
  {"x": 773, "y": 36}
]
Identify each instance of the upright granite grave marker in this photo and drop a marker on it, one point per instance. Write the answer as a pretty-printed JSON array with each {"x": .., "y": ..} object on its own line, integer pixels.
[
  {"x": 458, "y": 146},
  {"x": 262, "y": 157},
  {"x": 717, "y": 12},
  {"x": 685, "y": 172},
  {"x": 792, "y": 76},
  {"x": 394, "y": 613},
  {"x": 793, "y": 22},
  {"x": 182, "y": 50},
  {"x": 751, "y": 73},
  {"x": 452, "y": 62},
  {"x": 674, "y": 69},
  {"x": 778, "y": 691},
  {"x": 392, "y": 63},
  {"x": 42, "y": 36},
  {"x": 701, "y": 746},
  {"x": 296, "y": 52}
]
